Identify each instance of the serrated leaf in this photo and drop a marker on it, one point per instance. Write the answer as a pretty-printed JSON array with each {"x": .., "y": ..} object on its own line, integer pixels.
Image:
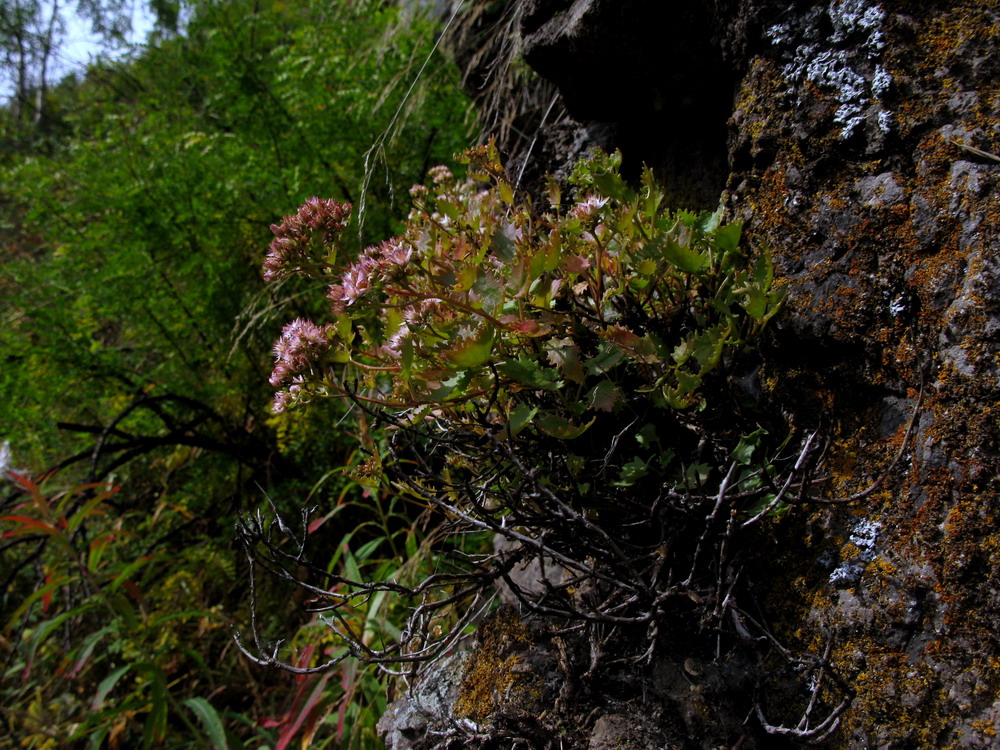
[
  {"x": 613, "y": 186},
  {"x": 755, "y": 303},
  {"x": 675, "y": 246},
  {"x": 502, "y": 246},
  {"x": 448, "y": 209},
  {"x": 646, "y": 267},
  {"x": 604, "y": 396},
  {"x": 454, "y": 385},
  {"x": 506, "y": 191},
  {"x": 763, "y": 271},
  {"x": 631, "y": 473},
  {"x": 529, "y": 372},
  {"x": 727, "y": 237},
  {"x": 473, "y": 351},
  {"x": 487, "y": 291},
  {"x": 707, "y": 347},
  {"x": 641, "y": 348},
  {"x": 565, "y": 355},
  {"x": 559, "y": 427},
  {"x": 406, "y": 357},
  {"x": 688, "y": 383},
  {"x": 607, "y": 357},
  {"x": 709, "y": 222},
  {"x": 465, "y": 278}
]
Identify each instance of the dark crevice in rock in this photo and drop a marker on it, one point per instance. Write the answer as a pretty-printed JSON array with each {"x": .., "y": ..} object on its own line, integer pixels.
[{"x": 653, "y": 74}]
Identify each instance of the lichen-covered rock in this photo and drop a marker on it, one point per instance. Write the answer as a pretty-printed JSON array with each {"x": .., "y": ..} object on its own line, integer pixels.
[{"x": 858, "y": 140}]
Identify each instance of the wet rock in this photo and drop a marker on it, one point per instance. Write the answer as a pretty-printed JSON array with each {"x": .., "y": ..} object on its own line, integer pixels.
[{"x": 409, "y": 722}]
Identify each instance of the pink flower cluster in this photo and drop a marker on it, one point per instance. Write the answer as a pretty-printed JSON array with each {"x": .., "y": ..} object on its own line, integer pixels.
[
  {"x": 376, "y": 264},
  {"x": 282, "y": 399},
  {"x": 301, "y": 342},
  {"x": 293, "y": 238},
  {"x": 440, "y": 174}
]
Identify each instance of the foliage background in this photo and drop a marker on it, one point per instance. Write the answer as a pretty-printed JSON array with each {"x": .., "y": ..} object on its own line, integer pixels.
[{"x": 136, "y": 204}]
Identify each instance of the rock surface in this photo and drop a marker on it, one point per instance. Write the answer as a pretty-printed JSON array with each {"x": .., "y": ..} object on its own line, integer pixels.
[{"x": 856, "y": 139}]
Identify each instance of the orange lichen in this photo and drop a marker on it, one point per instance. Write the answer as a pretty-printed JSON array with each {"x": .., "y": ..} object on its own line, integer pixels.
[
  {"x": 939, "y": 512},
  {"x": 494, "y": 677}
]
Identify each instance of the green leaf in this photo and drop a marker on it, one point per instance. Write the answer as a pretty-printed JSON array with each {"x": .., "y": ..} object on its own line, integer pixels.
[
  {"x": 695, "y": 475},
  {"x": 647, "y": 267},
  {"x": 488, "y": 292},
  {"x": 765, "y": 500},
  {"x": 453, "y": 386},
  {"x": 709, "y": 222},
  {"x": 612, "y": 185},
  {"x": 675, "y": 246},
  {"x": 474, "y": 351},
  {"x": 707, "y": 347},
  {"x": 687, "y": 383},
  {"x": 351, "y": 570},
  {"x": 406, "y": 358},
  {"x": 763, "y": 271},
  {"x": 44, "y": 629},
  {"x": 646, "y": 436},
  {"x": 631, "y": 473},
  {"x": 502, "y": 246},
  {"x": 520, "y": 417},
  {"x": 727, "y": 237},
  {"x": 210, "y": 721},
  {"x": 755, "y": 303},
  {"x": 604, "y": 396},
  {"x": 529, "y": 372},
  {"x": 155, "y": 728},
  {"x": 743, "y": 452},
  {"x": 86, "y": 648},
  {"x": 449, "y": 209},
  {"x": 506, "y": 192},
  {"x": 106, "y": 685},
  {"x": 559, "y": 427},
  {"x": 607, "y": 357}
]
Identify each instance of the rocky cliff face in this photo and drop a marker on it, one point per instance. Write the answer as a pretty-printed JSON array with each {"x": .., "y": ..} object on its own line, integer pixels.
[{"x": 859, "y": 141}]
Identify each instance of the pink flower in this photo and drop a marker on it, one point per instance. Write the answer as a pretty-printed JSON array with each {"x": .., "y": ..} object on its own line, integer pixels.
[
  {"x": 281, "y": 399},
  {"x": 588, "y": 207},
  {"x": 391, "y": 346},
  {"x": 440, "y": 174},
  {"x": 396, "y": 252},
  {"x": 356, "y": 283},
  {"x": 301, "y": 342},
  {"x": 336, "y": 295},
  {"x": 295, "y": 393}
]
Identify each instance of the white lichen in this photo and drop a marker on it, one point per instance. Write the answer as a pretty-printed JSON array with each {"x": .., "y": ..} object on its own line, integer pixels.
[
  {"x": 834, "y": 47},
  {"x": 864, "y": 536}
]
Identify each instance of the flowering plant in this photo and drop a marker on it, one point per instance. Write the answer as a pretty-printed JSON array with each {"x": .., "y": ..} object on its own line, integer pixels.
[
  {"x": 547, "y": 377},
  {"x": 544, "y": 320}
]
